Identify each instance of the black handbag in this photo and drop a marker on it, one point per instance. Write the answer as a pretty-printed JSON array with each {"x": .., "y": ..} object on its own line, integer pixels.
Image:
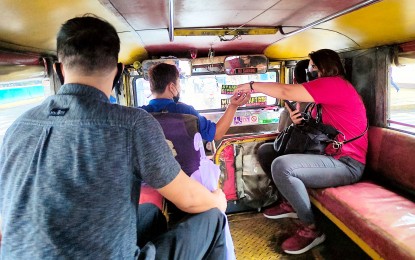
[{"x": 311, "y": 137}]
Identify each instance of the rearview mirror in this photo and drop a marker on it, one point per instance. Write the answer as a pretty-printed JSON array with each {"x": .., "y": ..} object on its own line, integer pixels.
[
  {"x": 184, "y": 66},
  {"x": 246, "y": 64}
]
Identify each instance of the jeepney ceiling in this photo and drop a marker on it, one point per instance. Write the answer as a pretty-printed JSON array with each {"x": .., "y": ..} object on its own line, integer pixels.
[
  {"x": 150, "y": 19},
  {"x": 143, "y": 26}
]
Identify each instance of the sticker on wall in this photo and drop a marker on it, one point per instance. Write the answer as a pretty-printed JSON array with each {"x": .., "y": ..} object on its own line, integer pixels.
[
  {"x": 227, "y": 89},
  {"x": 257, "y": 101}
]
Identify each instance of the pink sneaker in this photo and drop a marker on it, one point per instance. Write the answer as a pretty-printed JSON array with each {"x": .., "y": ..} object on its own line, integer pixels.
[
  {"x": 304, "y": 239},
  {"x": 282, "y": 210}
]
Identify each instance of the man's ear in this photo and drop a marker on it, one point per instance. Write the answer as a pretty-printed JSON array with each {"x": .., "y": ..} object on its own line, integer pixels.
[
  {"x": 172, "y": 87},
  {"x": 57, "y": 67},
  {"x": 118, "y": 79},
  {"x": 168, "y": 88}
]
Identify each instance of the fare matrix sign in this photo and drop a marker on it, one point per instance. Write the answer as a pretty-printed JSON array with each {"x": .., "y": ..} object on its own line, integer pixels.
[{"x": 253, "y": 102}]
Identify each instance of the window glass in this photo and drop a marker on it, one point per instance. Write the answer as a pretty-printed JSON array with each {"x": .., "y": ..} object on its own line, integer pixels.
[
  {"x": 16, "y": 97},
  {"x": 142, "y": 92},
  {"x": 401, "y": 103},
  {"x": 210, "y": 91}
]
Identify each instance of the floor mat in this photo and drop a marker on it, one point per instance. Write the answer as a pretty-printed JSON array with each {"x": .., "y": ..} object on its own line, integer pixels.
[{"x": 258, "y": 238}]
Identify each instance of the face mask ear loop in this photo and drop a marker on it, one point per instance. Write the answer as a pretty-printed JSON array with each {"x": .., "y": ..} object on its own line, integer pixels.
[
  {"x": 58, "y": 70},
  {"x": 177, "y": 96},
  {"x": 117, "y": 80},
  {"x": 178, "y": 93}
]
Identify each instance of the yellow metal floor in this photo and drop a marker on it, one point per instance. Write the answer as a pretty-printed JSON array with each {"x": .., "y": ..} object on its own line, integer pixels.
[{"x": 259, "y": 238}]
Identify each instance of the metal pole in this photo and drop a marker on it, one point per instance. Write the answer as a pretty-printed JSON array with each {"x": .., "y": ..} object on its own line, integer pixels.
[
  {"x": 330, "y": 17},
  {"x": 171, "y": 20}
]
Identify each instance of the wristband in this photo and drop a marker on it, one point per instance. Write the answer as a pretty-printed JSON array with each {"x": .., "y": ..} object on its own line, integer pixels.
[{"x": 250, "y": 85}]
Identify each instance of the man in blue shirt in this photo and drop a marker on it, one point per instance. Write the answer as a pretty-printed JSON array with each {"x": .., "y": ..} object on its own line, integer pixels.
[
  {"x": 71, "y": 168},
  {"x": 165, "y": 87}
]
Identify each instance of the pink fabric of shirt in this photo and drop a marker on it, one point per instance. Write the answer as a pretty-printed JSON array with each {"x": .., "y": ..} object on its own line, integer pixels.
[{"x": 342, "y": 108}]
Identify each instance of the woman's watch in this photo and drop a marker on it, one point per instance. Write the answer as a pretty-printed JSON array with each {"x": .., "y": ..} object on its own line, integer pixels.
[{"x": 250, "y": 85}]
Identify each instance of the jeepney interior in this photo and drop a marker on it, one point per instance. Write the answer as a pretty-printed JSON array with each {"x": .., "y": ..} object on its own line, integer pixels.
[{"x": 212, "y": 43}]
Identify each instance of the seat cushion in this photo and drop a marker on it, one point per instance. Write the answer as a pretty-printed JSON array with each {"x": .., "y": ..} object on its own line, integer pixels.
[
  {"x": 380, "y": 217},
  {"x": 150, "y": 195}
]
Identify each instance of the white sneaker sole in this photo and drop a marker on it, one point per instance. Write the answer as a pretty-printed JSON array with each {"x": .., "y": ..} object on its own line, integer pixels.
[
  {"x": 316, "y": 242},
  {"x": 286, "y": 215}
]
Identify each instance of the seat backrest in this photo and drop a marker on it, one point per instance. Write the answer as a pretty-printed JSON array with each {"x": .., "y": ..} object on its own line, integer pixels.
[
  {"x": 390, "y": 155},
  {"x": 180, "y": 130}
]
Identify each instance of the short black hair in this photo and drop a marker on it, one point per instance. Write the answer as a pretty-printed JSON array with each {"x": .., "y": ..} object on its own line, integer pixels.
[
  {"x": 300, "y": 74},
  {"x": 160, "y": 75},
  {"x": 88, "y": 43}
]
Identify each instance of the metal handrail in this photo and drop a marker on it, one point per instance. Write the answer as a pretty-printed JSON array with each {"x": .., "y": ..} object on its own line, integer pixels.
[
  {"x": 171, "y": 20},
  {"x": 400, "y": 123},
  {"x": 328, "y": 18}
]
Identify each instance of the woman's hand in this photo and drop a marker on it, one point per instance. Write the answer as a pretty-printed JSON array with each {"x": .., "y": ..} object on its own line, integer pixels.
[
  {"x": 242, "y": 89},
  {"x": 295, "y": 115}
]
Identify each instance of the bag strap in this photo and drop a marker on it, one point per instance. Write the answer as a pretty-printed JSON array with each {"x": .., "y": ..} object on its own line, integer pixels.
[
  {"x": 319, "y": 118},
  {"x": 357, "y": 137},
  {"x": 309, "y": 109},
  {"x": 337, "y": 144}
]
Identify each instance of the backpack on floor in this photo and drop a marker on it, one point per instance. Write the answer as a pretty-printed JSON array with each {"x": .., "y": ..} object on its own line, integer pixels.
[{"x": 242, "y": 177}]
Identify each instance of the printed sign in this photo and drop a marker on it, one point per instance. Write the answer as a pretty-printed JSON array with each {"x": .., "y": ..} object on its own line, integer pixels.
[
  {"x": 227, "y": 89},
  {"x": 245, "y": 120},
  {"x": 224, "y": 102},
  {"x": 257, "y": 101},
  {"x": 253, "y": 101},
  {"x": 246, "y": 70},
  {"x": 237, "y": 120}
]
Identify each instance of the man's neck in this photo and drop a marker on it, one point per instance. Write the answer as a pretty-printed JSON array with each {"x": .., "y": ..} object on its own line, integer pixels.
[
  {"x": 163, "y": 95},
  {"x": 102, "y": 82},
  {"x": 92, "y": 83}
]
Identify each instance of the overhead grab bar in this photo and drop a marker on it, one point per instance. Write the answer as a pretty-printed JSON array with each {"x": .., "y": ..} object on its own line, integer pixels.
[
  {"x": 171, "y": 20},
  {"x": 328, "y": 18}
]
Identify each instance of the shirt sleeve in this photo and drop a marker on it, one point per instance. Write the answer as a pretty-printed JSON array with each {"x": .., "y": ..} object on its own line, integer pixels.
[
  {"x": 153, "y": 158},
  {"x": 207, "y": 128},
  {"x": 327, "y": 90}
]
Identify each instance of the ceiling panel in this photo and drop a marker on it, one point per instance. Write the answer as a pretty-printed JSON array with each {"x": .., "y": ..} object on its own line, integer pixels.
[{"x": 143, "y": 25}]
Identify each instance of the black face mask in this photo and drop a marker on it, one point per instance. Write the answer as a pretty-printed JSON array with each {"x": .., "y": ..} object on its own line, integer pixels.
[
  {"x": 176, "y": 98},
  {"x": 312, "y": 75}
]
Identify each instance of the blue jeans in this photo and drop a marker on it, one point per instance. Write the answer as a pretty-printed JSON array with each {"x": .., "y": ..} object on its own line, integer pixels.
[
  {"x": 150, "y": 223},
  {"x": 293, "y": 173},
  {"x": 200, "y": 236}
]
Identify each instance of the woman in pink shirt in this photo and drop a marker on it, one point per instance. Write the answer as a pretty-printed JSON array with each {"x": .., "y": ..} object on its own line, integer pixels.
[{"x": 343, "y": 109}]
